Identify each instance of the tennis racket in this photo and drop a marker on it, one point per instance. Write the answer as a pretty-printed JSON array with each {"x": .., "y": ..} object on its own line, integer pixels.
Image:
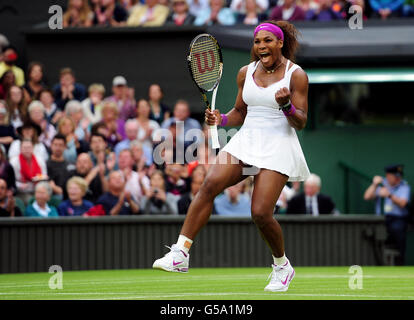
[{"x": 205, "y": 63}]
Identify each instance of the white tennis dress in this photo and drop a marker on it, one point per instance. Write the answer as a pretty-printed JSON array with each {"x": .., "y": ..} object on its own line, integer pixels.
[{"x": 266, "y": 139}]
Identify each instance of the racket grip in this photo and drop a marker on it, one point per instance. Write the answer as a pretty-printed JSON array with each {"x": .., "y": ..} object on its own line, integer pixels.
[{"x": 214, "y": 137}]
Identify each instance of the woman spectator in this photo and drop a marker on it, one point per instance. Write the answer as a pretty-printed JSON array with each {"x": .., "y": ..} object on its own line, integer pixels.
[
  {"x": 252, "y": 15},
  {"x": 74, "y": 146},
  {"x": 6, "y": 170},
  {"x": 78, "y": 14},
  {"x": 145, "y": 124},
  {"x": 17, "y": 106},
  {"x": 32, "y": 131},
  {"x": 109, "y": 13},
  {"x": 7, "y": 132},
  {"x": 52, "y": 113},
  {"x": 240, "y": 6},
  {"x": 92, "y": 106},
  {"x": 177, "y": 180},
  {"x": 75, "y": 205},
  {"x": 34, "y": 84},
  {"x": 180, "y": 15},
  {"x": 36, "y": 111},
  {"x": 74, "y": 110},
  {"x": 7, "y": 80},
  {"x": 216, "y": 14},
  {"x": 28, "y": 169},
  {"x": 159, "y": 111},
  {"x": 156, "y": 199},
  {"x": 288, "y": 11},
  {"x": 115, "y": 126},
  {"x": 39, "y": 207}
]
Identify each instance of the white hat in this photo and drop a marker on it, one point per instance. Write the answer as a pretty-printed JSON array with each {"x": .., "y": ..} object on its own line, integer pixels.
[{"x": 119, "y": 81}]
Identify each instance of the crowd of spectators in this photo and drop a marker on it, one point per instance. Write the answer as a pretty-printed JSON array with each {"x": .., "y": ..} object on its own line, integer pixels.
[{"x": 147, "y": 13}]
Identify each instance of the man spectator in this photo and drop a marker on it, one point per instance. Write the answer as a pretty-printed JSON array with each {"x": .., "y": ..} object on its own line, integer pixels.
[
  {"x": 311, "y": 201},
  {"x": 68, "y": 89},
  {"x": 233, "y": 202},
  {"x": 8, "y": 206},
  {"x": 392, "y": 195},
  {"x": 117, "y": 201},
  {"x": 122, "y": 98},
  {"x": 94, "y": 176},
  {"x": 151, "y": 14},
  {"x": 197, "y": 178},
  {"x": 109, "y": 13},
  {"x": 57, "y": 167},
  {"x": 99, "y": 154},
  {"x": 181, "y": 116},
  {"x": 288, "y": 11},
  {"x": 136, "y": 184},
  {"x": 176, "y": 179},
  {"x": 216, "y": 14},
  {"x": 9, "y": 59}
]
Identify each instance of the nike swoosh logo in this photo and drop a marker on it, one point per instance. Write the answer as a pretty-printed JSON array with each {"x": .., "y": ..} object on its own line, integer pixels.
[
  {"x": 177, "y": 263},
  {"x": 284, "y": 282}
]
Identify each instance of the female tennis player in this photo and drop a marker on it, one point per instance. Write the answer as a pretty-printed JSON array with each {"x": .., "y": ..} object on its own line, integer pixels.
[{"x": 271, "y": 103}]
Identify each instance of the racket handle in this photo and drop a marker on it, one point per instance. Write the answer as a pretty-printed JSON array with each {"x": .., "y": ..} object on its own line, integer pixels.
[{"x": 214, "y": 137}]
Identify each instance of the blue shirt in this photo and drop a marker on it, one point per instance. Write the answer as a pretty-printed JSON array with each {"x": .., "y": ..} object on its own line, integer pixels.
[
  {"x": 224, "y": 207},
  {"x": 66, "y": 208},
  {"x": 108, "y": 201},
  {"x": 402, "y": 190}
]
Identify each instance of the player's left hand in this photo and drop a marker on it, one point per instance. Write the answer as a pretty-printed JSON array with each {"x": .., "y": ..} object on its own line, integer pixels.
[
  {"x": 282, "y": 96},
  {"x": 383, "y": 192}
]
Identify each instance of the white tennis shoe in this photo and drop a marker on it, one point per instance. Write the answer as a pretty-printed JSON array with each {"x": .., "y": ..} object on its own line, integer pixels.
[
  {"x": 174, "y": 261},
  {"x": 281, "y": 277}
]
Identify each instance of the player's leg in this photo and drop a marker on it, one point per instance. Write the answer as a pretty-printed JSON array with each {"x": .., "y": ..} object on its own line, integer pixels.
[
  {"x": 226, "y": 172},
  {"x": 268, "y": 185}
]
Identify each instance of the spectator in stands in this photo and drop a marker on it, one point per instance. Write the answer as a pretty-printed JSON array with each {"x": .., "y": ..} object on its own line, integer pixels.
[
  {"x": 37, "y": 113},
  {"x": 39, "y": 207},
  {"x": 288, "y": 11},
  {"x": 114, "y": 124},
  {"x": 93, "y": 175},
  {"x": 7, "y": 132},
  {"x": 128, "y": 4},
  {"x": 385, "y": 9},
  {"x": 151, "y": 14},
  {"x": 311, "y": 201},
  {"x": 234, "y": 202},
  {"x": 99, "y": 153},
  {"x": 74, "y": 110},
  {"x": 74, "y": 146},
  {"x": 159, "y": 111},
  {"x": 392, "y": 195},
  {"x": 34, "y": 84},
  {"x": 180, "y": 14},
  {"x": 6, "y": 170},
  {"x": 75, "y": 205},
  {"x": 7, "y": 80},
  {"x": 57, "y": 167},
  {"x": 117, "y": 201},
  {"x": 157, "y": 200},
  {"x": 216, "y": 14},
  {"x": 308, "y": 5},
  {"x": 408, "y": 8},
  {"x": 197, "y": 178},
  {"x": 28, "y": 169},
  {"x": 92, "y": 106},
  {"x": 136, "y": 183},
  {"x": 8, "y": 206},
  {"x": 325, "y": 12},
  {"x": 9, "y": 63},
  {"x": 240, "y": 7},
  {"x": 182, "y": 115},
  {"x": 32, "y": 131},
  {"x": 52, "y": 113},
  {"x": 16, "y": 105},
  {"x": 68, "y": 89},
  {"x": 109, "y": 13},
  {"x": 78, "y": 14},
  {"x": 197, "y": 6},
  {"x": 251, "y": 15},
  {"x": 125, "y": 104},
  {"x": 176, "y": 179},
  {"x": 146, "y": 126},
  {"x": 138, "y": 155}
]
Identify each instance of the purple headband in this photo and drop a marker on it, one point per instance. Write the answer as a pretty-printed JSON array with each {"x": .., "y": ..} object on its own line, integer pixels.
[{"x": 271, "y": 28}]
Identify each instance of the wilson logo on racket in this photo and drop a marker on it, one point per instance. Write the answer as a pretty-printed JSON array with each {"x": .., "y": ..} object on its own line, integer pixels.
[{"x": 207, "y": 66}]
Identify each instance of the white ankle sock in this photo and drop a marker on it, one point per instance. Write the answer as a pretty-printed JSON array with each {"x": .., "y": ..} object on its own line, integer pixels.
[
  {"x": 184, "y": 243},
  {"x": 279, "y": 261}
]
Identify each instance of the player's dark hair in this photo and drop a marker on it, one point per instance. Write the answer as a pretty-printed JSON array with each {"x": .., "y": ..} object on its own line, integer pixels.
[{"x": 290, "y": 42}]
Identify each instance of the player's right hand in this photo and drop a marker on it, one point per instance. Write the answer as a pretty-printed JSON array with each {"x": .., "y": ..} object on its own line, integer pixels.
[
  {"x": 212, "y": 117},
  {"x": 377, "y": 180}
]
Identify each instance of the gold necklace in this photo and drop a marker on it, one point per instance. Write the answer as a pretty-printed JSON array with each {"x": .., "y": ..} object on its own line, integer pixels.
[{"x": 273, "y": 70}]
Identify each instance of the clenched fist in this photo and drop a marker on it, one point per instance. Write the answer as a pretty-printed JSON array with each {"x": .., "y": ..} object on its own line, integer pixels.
[{"x": 282, "y": 96}]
